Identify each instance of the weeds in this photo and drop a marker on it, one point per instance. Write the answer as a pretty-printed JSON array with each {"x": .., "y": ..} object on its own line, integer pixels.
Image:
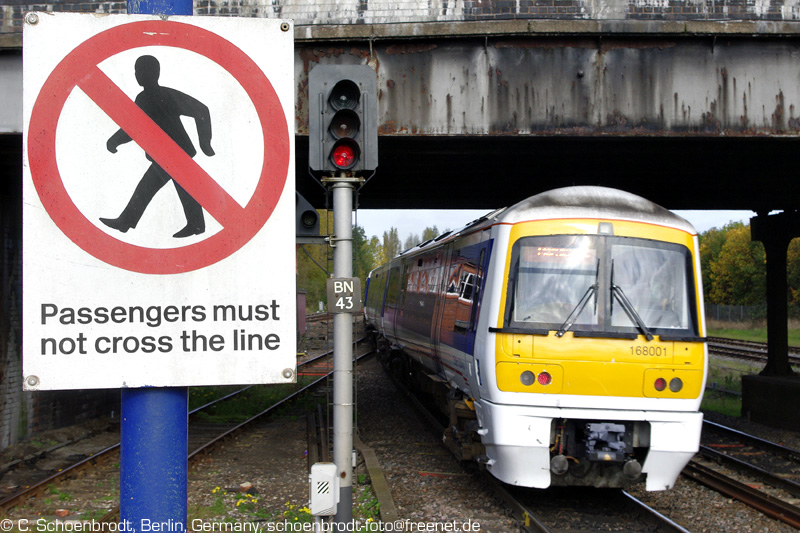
[{"x": 242, "y": 406}]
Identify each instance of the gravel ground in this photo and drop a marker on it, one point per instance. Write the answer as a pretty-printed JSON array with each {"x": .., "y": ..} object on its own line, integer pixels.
[
  {"x": 427, "y": 483},
  {"x": 263, "y": 476}
]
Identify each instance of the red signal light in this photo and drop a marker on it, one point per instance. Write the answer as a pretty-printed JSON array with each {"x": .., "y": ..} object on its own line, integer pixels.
[
  {"x": 660, "y": 384},
  {"x": 545, "y": 378},
  {"x": 344, "y": 154}
]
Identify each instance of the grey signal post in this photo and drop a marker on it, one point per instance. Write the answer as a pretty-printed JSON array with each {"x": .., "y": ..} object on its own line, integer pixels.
[
  {"x": 342, "y": 240},
  {"x": 343, "y": 142}
]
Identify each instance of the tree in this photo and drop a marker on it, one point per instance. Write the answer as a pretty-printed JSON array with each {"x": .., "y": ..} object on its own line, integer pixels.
[
  {"x": 411, "y": 241},
  {"x": 430, "y": 233},
  {"x": 312, "y": 264},
  {"x": 365, "y": 255},
  {"x": 391, "y": 245},
  {"x": 711, "y": 243},
  {"x": 738, "y": 275},
  {"x": 793, "y": 274}
]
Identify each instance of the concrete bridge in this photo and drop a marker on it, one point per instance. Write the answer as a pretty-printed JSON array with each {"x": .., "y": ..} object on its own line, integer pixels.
[
  {"x": 685, "y": 102},
  {"x": 693, "y": 104}
]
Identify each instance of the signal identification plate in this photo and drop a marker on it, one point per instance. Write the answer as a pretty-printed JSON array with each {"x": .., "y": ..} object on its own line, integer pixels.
[{"x": 344, "y": 295}]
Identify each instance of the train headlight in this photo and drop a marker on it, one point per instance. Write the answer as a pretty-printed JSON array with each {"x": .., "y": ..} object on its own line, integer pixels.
[
  {"x": 527, "y": 378},
  {"x": 660, "y": 384},
  {"x": 675, "y": 384},
  {"x": 545, "y": 378}
]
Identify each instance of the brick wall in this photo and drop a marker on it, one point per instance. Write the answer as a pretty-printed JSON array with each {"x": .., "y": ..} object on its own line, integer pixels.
[{"x": 306, "y": 12}]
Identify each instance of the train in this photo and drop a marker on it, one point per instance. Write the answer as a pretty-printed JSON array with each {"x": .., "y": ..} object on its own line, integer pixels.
[{"x": 562, "y": 338}]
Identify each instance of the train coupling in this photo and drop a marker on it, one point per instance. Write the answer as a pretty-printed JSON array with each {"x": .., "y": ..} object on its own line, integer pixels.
[{"x": 605, "y": 442}]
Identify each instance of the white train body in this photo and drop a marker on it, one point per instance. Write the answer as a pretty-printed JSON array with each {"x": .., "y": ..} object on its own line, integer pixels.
[{"x": 572, "y": 323}]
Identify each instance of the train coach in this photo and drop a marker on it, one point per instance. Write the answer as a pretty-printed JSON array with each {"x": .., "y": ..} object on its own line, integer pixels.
[{"x": 563, "y": 337}]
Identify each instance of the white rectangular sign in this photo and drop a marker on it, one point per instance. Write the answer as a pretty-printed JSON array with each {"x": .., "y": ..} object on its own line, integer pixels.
[{"x": 158, "y": 201}]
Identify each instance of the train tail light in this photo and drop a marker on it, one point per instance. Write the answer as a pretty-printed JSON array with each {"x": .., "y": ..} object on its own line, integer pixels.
[
  {"x": 545, "y": 378},
  {"x": 527, "y": 378},
  {"x": 660, "y": 384}
]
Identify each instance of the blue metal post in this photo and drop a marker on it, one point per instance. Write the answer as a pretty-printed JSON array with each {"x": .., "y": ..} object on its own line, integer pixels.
[
  {"x": 153, "y": 465},
  {"x": 154, "y": 427}
]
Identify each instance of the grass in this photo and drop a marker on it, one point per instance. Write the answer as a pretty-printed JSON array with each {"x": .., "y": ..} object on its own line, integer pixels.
[
  {"x": 722, "y": 403},
  {"x": 242, "y": 406},
  {"x": 755, "y": 334},
  {"x": 750, "y": 331},
  {"x": 726, "y": 374}
]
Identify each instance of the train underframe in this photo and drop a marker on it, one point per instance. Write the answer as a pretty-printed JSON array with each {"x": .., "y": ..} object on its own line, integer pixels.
[{"x": 607, "y": 451}]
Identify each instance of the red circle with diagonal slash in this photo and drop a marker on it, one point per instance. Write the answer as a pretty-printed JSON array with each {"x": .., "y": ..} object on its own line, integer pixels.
[{"x": 79, "y": 70}]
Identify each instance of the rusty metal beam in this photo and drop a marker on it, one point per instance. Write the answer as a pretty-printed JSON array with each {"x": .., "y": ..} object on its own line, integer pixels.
[{"x": 573, "y": 84}]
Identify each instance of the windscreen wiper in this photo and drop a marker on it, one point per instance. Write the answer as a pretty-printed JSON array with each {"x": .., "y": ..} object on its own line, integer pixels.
[
  {"x": 626, "y": 304},
  {"x": 573, "y": 316}
]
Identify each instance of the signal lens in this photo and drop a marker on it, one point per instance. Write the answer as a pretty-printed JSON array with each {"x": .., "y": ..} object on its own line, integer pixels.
[
  {"x": 545, "y": 378},
  {"x": 675, "y": 384},
  {"x": 344, "y": 154},
  {"x": 345, "y": 123},
  {"x": 345, "y": 95},
  {"x": 660, "y": 384},
  {"x": 308, "y": 218}
]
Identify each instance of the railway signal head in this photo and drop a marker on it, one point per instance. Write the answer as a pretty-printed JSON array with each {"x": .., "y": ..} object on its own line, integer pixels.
[
  {"x": 306, "y": 217},
  {"x": 342, "y": 118}
]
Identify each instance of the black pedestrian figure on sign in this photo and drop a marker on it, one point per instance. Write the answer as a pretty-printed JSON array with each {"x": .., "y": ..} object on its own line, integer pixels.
[{"x": 165, "y": 107}]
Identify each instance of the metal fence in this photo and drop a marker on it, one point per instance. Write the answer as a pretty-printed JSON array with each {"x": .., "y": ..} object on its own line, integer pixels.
[{"x": 736, "y": 313}]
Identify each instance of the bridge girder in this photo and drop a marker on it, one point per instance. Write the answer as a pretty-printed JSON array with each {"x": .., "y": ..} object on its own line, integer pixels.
[{"x": 676, "y": 112}]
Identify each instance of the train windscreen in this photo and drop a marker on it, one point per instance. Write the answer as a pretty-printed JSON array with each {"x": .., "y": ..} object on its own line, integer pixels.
[{"x": 601, "y": 284}]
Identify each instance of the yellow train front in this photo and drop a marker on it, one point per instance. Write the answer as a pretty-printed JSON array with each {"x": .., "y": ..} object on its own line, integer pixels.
[{"x": 572, "y": 324}]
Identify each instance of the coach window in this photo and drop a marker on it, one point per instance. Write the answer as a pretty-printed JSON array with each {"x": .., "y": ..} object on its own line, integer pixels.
[
  {"x": 392, "y": 293},
  {"x": 463, "y": 287}
]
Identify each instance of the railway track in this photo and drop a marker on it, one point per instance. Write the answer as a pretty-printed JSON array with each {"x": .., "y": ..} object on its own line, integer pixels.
[
  {"x": 543, "y": 511},
  {"x": 204, "y": 431},
  {"x": 529, "y": 511},
  {"x": 558, "y": 510},
  {"x": 735, "y": 463},
  {"x": 590, "y": 509},
  {"x": 748, "y": 350}
]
